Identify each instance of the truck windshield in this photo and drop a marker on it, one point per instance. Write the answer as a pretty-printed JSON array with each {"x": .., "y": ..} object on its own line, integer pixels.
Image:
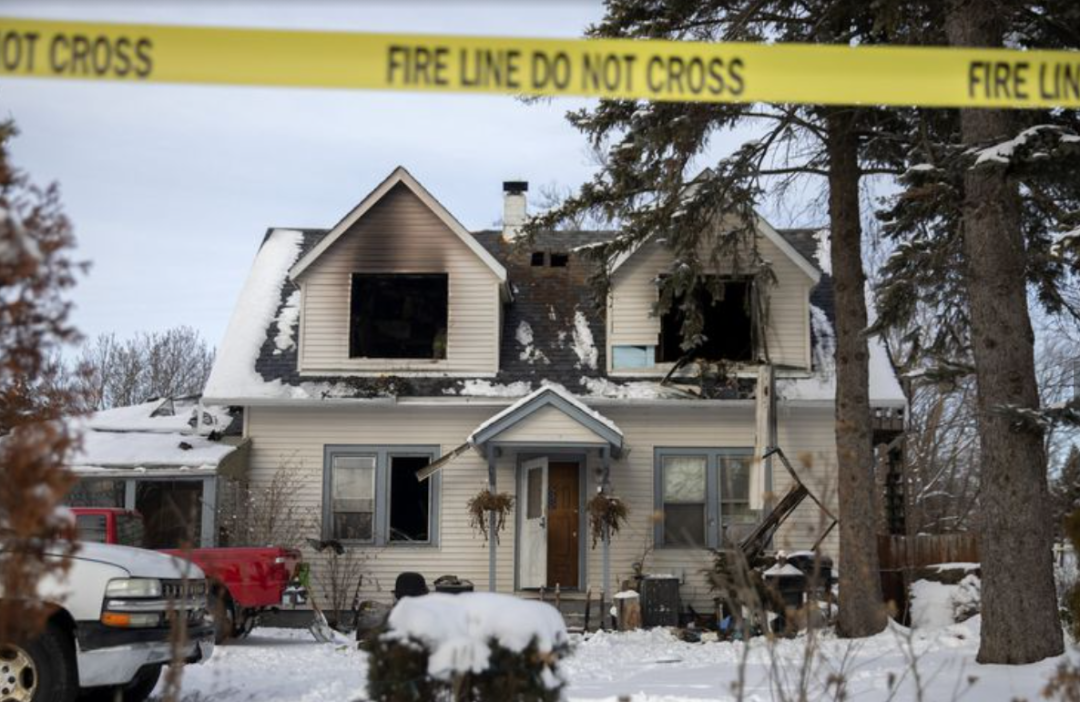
[{"x": 129, "y": 530}]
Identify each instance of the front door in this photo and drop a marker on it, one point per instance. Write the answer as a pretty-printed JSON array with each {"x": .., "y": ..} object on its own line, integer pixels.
[
  {"x": 563, "y": 524},
  {"x": 533, "y": 543}
]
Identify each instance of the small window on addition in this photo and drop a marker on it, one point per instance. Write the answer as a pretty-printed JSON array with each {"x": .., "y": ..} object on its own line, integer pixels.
[
  {"x": 538, "y": 258},
  {"x": 559, "y": 260}
]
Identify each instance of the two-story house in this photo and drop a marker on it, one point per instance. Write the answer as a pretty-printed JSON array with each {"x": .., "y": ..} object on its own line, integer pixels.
[{"x": 364, "y": 353}]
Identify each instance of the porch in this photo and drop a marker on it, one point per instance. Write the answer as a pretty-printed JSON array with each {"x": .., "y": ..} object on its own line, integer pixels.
[{"x": 560, "y": 452}]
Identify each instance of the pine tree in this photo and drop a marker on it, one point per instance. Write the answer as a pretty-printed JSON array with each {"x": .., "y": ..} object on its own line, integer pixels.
[
  {"x": 989, "y": 202},
  {"x": 646, "y": 184}
]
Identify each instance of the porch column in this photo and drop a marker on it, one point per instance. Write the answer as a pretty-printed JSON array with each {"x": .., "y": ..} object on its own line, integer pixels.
[
  {"x": 605, "y": 486},
  {"x": 492, "y": 537}
]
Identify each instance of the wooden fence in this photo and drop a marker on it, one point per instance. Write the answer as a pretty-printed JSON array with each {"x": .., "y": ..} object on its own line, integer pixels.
[{"x": 901, "y": 556}]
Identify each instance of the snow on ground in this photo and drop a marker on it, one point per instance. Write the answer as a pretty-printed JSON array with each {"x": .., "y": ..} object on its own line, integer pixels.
[{"x": 279, "y": 665}]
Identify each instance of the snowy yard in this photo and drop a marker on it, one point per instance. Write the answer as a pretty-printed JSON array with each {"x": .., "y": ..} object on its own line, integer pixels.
[{"x": 275, "y": 665}]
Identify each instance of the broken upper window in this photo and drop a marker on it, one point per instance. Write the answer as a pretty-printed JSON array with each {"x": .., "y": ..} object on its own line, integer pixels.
[
  {"x": 398, "y": 315},
  {"x": 728, "y": 324}
]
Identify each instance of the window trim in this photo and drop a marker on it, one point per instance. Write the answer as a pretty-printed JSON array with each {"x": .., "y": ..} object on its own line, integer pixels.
[
  {"x": 713, "y": 499},
  {"x": 381, "y": 521}
]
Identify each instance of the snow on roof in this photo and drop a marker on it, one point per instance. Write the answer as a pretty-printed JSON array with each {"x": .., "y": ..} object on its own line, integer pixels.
[
  {"x": 821, "y": 385},
  {"x": 233, "y": 375},
  {"x": 457, "y": 629},
  {"x": 547, "y": 387},
  {"x": 103, "y": 450},
  {"x": 161, "y": 416}
]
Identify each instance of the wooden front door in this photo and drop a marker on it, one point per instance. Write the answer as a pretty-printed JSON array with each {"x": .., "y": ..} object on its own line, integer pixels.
[{"x": 563, "y": 524}]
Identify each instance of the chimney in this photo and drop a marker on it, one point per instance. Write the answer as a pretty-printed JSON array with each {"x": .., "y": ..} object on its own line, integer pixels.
[{"x": 514, "y": 209}]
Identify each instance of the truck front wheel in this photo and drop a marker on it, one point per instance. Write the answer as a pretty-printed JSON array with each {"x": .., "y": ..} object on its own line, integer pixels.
[{"x": 44, "y": 669}]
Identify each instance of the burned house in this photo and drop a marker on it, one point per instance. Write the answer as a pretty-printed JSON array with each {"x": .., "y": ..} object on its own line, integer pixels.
[{"x": 400, "y": 363}]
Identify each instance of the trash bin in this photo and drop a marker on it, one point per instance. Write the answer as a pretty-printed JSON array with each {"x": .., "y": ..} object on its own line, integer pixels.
[
  {"x": 453, "y": 585},
  {"x": 789, "y": 582},
  {"x": 660, "y": 600}
]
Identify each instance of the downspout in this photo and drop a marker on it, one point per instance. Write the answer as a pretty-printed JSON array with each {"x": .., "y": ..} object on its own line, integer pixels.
[
  {"x": 492, "y": 536},
  {"x": 605, "y": 486}
]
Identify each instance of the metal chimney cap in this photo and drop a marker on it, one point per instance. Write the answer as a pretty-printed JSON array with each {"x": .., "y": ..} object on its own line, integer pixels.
[{"x": 515, "y": 186}]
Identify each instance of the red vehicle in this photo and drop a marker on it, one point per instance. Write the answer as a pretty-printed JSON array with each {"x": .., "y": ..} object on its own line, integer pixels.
[{"x": 245, "y": 582}]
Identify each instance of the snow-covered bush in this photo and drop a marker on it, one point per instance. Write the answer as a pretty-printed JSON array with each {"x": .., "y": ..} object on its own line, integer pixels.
[
  {"x": 935, "y": 605},
  {"x": 468, "y": 648},
  {"x": 967, "y": 599}
]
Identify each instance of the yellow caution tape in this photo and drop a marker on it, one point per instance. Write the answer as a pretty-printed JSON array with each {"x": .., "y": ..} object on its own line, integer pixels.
[{"x": 652, "y": 70}]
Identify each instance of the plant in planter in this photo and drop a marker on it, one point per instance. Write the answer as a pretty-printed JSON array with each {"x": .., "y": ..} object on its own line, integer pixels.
[
  {"x": 606, "y": 511},
  {"x": 486, "y": 502}
]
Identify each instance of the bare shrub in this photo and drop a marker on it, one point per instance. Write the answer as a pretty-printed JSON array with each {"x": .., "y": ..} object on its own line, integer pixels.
[{"x": 267, "y": 515}]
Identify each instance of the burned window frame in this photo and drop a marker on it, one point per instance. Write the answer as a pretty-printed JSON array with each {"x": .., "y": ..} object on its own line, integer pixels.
[
  {"x": 705, "y": 287},
  {"x": 356, "y": 336},
  {"x": 381, "y": 519},
  {"x": 716, "y": 518}
]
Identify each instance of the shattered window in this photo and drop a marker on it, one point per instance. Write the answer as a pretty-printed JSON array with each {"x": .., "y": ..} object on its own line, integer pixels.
[
  {"x": 398, "y": 315},
  {"x": 410, "y": 500},
  {"x": 727, "y": 328}
]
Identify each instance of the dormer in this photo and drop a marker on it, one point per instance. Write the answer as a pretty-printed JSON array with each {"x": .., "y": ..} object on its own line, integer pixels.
[
  {"x": 399, "y": 286},
  {"x": 642, "y": 343}
]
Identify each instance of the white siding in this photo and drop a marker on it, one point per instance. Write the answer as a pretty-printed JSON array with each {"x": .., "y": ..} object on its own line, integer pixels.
[
  {"x": 400, "y": 235},
  {"x": 549, "y": 424},
  {"x": 634, "y": 294},
  {"x": 297, "y": 437}
]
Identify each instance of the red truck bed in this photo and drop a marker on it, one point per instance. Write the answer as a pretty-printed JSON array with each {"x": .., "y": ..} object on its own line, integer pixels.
[{"x": 254, "y": 579}]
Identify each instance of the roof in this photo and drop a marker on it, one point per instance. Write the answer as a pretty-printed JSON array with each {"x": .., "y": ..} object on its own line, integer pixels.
[
  {"x": 553, "y": 331},
  {"x": 168, "y": 433},
  {"x": 554, "y": 396},
  {"x": 400, "y": 176}
]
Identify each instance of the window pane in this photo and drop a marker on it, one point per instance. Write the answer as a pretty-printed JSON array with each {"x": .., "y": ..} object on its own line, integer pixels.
[
  {"x": 353, "y": 526},
  {"x": 172, "y": 510},
  {"x": 410, "y": 507},
  {"x": 534, "y": 507},
  {"x": 97, "y": 493},
  {"x": 735, "y": 475},
  {"x": 684, "y": 525},
  {"x": 399, "y": 315},
  {"x": 129, "y": 530},
  {"x": 91, "y": 528},
  {"x": 684, "y": 478},
  {"x": 352, "y": 489}
]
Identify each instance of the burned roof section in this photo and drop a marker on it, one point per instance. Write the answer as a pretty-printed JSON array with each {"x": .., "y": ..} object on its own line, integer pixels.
[{"x": 553, "y": 328}]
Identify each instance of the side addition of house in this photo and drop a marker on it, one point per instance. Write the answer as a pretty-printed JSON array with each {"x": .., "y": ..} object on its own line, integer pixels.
[{"x": 400, "y": 363}]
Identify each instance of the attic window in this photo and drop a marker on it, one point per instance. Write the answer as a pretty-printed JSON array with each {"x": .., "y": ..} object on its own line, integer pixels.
[
  {"x": 398, "y": 315},
  {"x": 559, "y": 260},
  {"x": 728, "y": 324},
  {"x": 537, "y": 258}
]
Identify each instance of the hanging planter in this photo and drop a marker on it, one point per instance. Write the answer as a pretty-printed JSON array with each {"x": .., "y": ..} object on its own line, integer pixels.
[
  {"x": 606, "y": 511},
  {"x": 486, "y": 502}
]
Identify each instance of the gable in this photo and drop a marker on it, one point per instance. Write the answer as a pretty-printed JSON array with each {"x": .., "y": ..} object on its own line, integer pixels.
[{"x": 399, "y": 179}]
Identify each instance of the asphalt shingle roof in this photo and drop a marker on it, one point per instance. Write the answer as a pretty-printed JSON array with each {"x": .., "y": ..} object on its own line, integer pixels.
[{"x": 546, "y": 300}]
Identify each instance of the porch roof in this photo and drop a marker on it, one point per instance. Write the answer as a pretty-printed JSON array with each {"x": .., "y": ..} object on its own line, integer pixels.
[{"x": 559, "y": 419}]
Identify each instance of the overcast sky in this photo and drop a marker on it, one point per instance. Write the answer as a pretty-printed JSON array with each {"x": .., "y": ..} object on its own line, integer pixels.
[{"x": 171, "y": 188}]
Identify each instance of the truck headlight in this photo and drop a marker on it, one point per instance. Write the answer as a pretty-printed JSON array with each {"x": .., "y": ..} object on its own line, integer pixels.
[{"x": 133, "y": 587}]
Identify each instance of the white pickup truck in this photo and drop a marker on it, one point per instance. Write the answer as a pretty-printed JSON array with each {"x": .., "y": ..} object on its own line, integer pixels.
[{"x": 109, "y": 629}]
